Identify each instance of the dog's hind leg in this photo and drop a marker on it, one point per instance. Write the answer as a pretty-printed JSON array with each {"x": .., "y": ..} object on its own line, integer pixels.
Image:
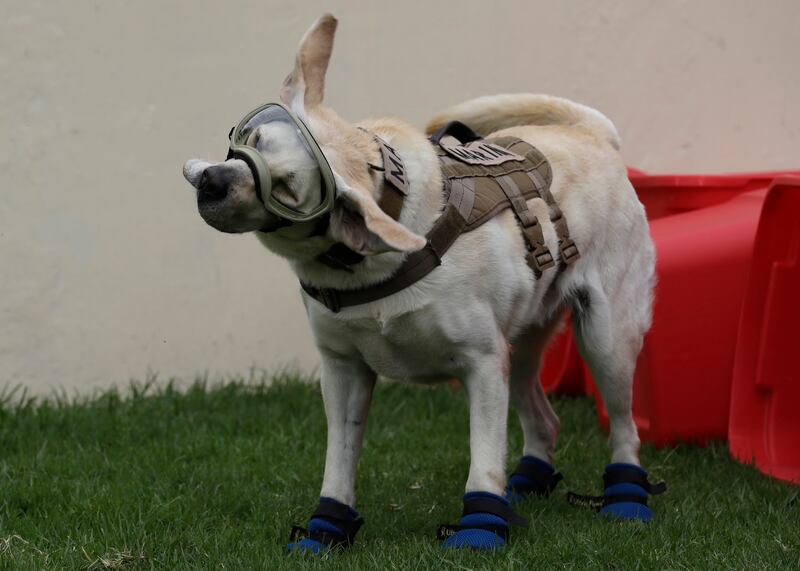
[
  {"x": 534, "y": 474},
  {"x": 538, "y": 419},
  {"x": 347, "y": 386},
  {"x": 610, "y": 343},
  {"x": 610, "y": 324}
]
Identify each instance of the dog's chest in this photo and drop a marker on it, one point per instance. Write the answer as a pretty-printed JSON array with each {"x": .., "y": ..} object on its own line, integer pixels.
[{"x": 422, "y": 346}]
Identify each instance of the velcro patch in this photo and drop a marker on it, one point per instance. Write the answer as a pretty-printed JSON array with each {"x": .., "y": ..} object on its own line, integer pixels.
[{"x": 478, "y": 152}]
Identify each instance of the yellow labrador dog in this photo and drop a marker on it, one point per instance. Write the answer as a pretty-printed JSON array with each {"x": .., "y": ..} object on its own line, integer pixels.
[{"x": 482, "y": 316}]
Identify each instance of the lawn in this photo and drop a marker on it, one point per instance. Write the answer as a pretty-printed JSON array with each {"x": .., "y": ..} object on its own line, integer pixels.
[{"x": 213, "y": 478}]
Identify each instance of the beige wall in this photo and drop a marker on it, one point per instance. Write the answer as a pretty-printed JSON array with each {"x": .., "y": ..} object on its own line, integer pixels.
[{"x": 106, "y": 270}]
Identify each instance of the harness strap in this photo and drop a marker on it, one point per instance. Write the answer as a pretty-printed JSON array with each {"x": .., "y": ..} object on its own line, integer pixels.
[
  {"x": 417, "y": 265},
  {"x": 568, "y": 251},
  {"x": 456, "y": 129},
  {"x": 391, "y": 201},
  {"x": 539, "y": 257}
]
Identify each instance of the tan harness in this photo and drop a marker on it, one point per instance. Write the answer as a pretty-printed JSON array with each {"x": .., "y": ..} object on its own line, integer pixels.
[{"x": 482, "y": 178}]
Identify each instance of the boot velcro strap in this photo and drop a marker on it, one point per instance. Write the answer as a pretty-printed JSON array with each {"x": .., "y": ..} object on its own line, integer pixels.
[
  {"x": 325, "y": 537},
  {"x": 339, "y": 515},
  {"x": 330, "y": 538},
  {"x": 546, "y": 481},
  {"x": 445, "y": 530},
  {"x": 335, "y": 514},
  {"x": 625, "y": 475},
  {"x": 334, "y": 511},
  {"x": 493, "y": 507}
]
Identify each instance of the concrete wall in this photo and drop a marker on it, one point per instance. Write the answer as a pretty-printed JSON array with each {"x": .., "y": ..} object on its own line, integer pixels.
[{"x": 106, "y": 270}]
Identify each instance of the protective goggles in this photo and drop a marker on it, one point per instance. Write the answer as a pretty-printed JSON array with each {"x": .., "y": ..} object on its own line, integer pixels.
[{"x": 242, "y": 146}]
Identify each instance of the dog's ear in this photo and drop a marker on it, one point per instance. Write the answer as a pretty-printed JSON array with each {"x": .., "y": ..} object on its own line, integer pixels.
[
  {"x": 305, "y": 86},
  {"x": 359, "y": 223}
]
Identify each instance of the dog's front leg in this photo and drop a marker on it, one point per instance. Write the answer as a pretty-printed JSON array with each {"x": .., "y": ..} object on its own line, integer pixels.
[
  {"x": 487, "y": 391},
  {"x": 347, "y": 392},
  {"x": 486, "y": 515}
]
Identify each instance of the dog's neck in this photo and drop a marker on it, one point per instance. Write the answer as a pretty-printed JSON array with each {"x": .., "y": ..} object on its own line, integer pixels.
[{"x": 421, "y": 207}]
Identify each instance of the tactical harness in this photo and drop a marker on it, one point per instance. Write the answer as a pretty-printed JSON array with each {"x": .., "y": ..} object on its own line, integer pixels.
[{"x": 481, "y": 178}]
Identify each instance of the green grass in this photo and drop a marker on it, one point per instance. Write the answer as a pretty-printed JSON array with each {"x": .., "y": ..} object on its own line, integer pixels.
[{"x": 214, "y": 477}]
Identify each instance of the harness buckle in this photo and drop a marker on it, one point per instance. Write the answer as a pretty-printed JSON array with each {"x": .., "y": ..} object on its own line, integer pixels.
[
  {"x": 540, "y": 258},
  {"x": 568, "y": 251},
  {"x": 555, "y": 213}
]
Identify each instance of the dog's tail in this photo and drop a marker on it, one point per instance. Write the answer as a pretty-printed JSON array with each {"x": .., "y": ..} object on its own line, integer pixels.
[{"x": 494, "y": 112}]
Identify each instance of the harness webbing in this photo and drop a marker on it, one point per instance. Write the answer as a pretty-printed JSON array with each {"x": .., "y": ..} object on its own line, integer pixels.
[{"x": 416, "y": 266}]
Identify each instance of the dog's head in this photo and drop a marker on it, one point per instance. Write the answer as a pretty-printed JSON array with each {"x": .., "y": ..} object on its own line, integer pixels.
[{"x": 227, "y": 195}]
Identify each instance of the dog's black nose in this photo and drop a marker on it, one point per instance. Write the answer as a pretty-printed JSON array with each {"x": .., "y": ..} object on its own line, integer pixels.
[{"x": 214, "y": 184}]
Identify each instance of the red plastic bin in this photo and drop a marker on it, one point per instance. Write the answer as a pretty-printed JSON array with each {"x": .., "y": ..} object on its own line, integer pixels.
[
  {"x": 703, "y": 244},
  {"x": 765, "y": 397},
  {"x": 665, "y": 195}
]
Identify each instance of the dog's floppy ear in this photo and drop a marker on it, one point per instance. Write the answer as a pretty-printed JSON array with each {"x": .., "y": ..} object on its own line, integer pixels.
[
  {"x": 305, "y": 86},
  {"x": 358, "y": 222}
]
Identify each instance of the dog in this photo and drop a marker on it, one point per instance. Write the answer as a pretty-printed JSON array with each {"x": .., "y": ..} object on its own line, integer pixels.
[{"x": 482, "y": 316}]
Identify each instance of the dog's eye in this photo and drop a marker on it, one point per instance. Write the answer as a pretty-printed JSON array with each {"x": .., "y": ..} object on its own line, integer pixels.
[
  {"x": 257, "y": 140},
  {"x": 253, "y": 138}
]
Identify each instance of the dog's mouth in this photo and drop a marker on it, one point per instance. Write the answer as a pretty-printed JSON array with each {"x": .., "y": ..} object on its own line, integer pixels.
[{"x": 218, "y": 215}]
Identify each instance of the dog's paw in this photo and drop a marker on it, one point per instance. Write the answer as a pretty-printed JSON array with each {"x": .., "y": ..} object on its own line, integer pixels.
[
  {"x": 333, "y": 525},
  {"x": 626, "y": 491},
  {"x": 307, "y": 546},
  {"x": 483, "y": 524},
  {"x": 531, "y": 477}
]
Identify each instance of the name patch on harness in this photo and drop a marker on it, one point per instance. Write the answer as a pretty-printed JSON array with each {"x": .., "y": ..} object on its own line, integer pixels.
[
  {"x": 395, "y": 172},
  {"x": 478, "y": 152}
]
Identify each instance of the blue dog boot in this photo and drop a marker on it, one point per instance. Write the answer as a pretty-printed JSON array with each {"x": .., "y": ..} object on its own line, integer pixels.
[
  {"x": 531, "y": 477},
  {"x": 483, "y": 524},
  {"x": 626, "y": 491},
  {"x": 333, "y": 524}
]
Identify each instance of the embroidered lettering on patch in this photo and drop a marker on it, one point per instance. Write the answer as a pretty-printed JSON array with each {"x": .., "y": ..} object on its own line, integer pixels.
[
  {"x": 395, "y": 169},
  {"x": 478, "y": 152}
]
